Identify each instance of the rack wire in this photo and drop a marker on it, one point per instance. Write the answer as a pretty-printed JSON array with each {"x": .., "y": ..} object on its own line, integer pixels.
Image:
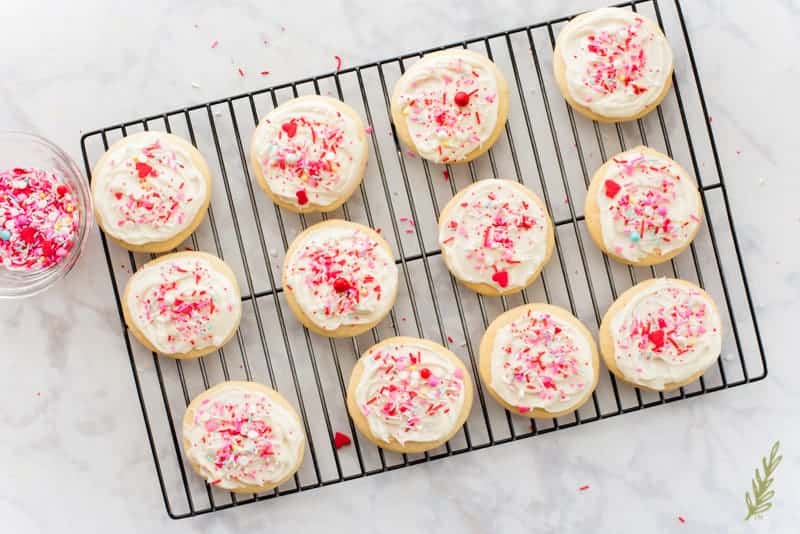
[{"x": 545, "y": 146}]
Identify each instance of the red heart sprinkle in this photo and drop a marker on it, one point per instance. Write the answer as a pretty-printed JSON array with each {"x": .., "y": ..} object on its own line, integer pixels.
[
  {"x": 656, "y": 337},
  {"x": 340, "y": 440},
  {"x": 557, "y": 330},
  {"x": 501, "y": 277},
  {"x": 144, "y": 169},
  {"x": 302, "y": 197},
  {"x": 118, "y": 195},
  {"x": 341, "y": 285},
  {"x": 62, "y": 190},
  {"x": 290, "y": 128},
  {"x": 27, "y": 234},
  {"x": 425, "y": 373},
  {"x": 612, "y": 188}
]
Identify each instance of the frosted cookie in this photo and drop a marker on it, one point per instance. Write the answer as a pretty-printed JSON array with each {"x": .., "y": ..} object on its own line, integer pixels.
[
  {"x": 450, "y": 106},
  {"x": 340, "y": 278},
  {"x": 150, "y": 191},
  {"x": 310, "y": 153},
  {"x": 183, "y": 305},
  {"x": 661, "y": 334},
  {"x": 496, "y": 236},
  {"x": 409, "y": 395},
  {"x": 613, "y": 64},
  {"x": 642, "y": 208},
  {"x": 243, "y": 437},
  {"x": 539, "y": 361}
]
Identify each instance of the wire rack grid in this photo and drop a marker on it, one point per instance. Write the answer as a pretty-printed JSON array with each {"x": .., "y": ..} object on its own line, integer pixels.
[{"x": 545, "y": 146}]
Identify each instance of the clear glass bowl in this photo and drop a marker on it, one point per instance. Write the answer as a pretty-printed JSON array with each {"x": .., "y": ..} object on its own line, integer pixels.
[{"x": 18, "y": 149}]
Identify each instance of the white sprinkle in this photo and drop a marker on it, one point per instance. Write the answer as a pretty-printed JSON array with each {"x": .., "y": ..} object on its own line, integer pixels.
[
  {"x": 218, "y": 113},
  {"x": 273, "y": 252},
  {"x": 762, "y": 181},
  {"x": 196, "y": 85},
  {"x": 728, "y": 357}
]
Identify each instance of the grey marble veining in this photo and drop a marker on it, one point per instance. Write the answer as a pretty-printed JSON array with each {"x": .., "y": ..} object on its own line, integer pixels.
[{"x": 73, "y": 448}]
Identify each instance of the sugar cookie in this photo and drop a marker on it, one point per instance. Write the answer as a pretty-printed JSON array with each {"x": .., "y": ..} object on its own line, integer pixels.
[
  {"x": 310, "y": 153},
  {"x": 496, "y": 236},
  {"x": 642, "y": 208},
  {"x": 150, "y": 190},
  {"x": 450, "y": 106},
  {"x": 539, "y": 360},
  {"x": 661, "y": 334},
  {"x": 409, "y": 395},
  {"x": 613, "y": 64},
  {"x": 183, "y": 305},
  {"x": 243, "y": 437},
  {"x": 340, "y": 278}
]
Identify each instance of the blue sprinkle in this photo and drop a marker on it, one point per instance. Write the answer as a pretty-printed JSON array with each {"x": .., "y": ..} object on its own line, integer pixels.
[
  {"x": 635, "y": 236},
  {"x": 5, "y": 235}
]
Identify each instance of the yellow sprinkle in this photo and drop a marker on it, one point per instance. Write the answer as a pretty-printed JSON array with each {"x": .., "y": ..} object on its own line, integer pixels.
[
  {"x": 364, "y": 291},
  {"x": 68, "y": 208},
  {"x": 304, "y": 178},
  {"x": 406, "y": 110}
]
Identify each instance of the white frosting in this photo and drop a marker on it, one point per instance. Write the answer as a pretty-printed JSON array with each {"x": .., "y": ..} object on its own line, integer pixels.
[
  {"x": 347, "y": 257},
  {"x": 148, "y": 189},
  {"x": 647, "y": 205},
  {"x": 539, "y": 360},
  {"x": 496, "y": 227},
  {"x": 310, "y": 152},
  {"x": 410, "y": 393},
  {"x": 240, "y": 437},
  {"x": 617, "y": 61},
  {"x": 441, "y": 130},
  {"x": 183, "y": 304},
  {"x": 666, "y": 334}
]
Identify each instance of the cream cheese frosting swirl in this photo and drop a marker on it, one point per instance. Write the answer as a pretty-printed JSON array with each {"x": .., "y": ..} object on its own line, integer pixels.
[
  {"x": 647, "y": 204},
  {"x": 617, "y": 62},
  {"x": 495, "y": 232},
  {"x": 184, "y": 302},
  {"x": 540, "y": 360},
  {"x": 241, "y": 437},
  {"x": 666, "y": 333},
  {"x": 148, "y": 188},
  {"x": 449, "y": 102},
  {"x": 311, "y": 151},
  {"x": 341, "y": 274},
  {"x": 410, "y": 392}
]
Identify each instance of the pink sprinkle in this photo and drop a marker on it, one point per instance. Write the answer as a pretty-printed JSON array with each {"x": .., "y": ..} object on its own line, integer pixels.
[
  {"x": 338, "y": 63},
  {"x": 523, "y": 409},
  {"x": 446, "y": 175},
  {"x": 584, "y": 487},
  {"x": 368, "y": 130},
  {"x": 410, "y": 153},
  {"x": 710, "y": 119},
  {"x": 214, "y": 44},
  {"x": 404, "y": 219},
  {"x": 681, "y": 519},
  {"x": 409, "y": 230},
  {"x": 449, "y": 339},
  {"x": 738, "y": 152},
  {"x": 458, "y": 373},
  {"x": 264, "y": 72},
  {"x": 241, "y": 72}
]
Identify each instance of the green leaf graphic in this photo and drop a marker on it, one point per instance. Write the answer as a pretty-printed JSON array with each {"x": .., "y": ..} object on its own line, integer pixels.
[{"x": 761, "y": 500}]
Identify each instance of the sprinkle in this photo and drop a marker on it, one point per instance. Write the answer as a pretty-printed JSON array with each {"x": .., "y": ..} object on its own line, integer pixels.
[
  {"x": 501, "y": 277},
  {"x": 425, "y": 373},
  {"x": 635, "y": 236},
  {"x": 290, "y": 128},
  {"x": 340, "y": 285},
  {"x": 449, "y": 339},
  {"x": 681, "y": 519},
  {"x": 762, "y": 182},
  {"x": 340, "y": 440},
  {"x": 446, "y": 175},
  {"x": 728, "y": 357},
  {"x": 738, "y": 152},
  {"x": 338, "y": 63},
  {"x": 611, "y": 188},
  {"x": 241, "y": 72},
  {"x": 196, "y": 85},
  {"x": 214, "y": 44},
  {"x": 5, "y": 235},
  {"x": 584, "y": 487},
  {"x": 302, "y": 197},
  {"x": 264, "y": 73},
  {"x": 368, "y": 130}
]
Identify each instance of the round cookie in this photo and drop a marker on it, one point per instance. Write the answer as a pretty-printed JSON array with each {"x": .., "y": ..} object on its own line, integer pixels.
[
  {"x": 642, "y": 208},
  {"x": 340, "y": 278},
  {"x": 613, "y": 64},
  {"x": 310, "y": 153},
  {"x": 183, "y": 305},
  {"x": 150, "y": 191},
  {"x": 539, "y": 361},
  {"x": 661, "y": 334},
  {"x": 409, "y": 395},
  {"x": 450, "y": 106},
  {"x": 243, "y": 437},
  {"x": 496, "y": 236}
]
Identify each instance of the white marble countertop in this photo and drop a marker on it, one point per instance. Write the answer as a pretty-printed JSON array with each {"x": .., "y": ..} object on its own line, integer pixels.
[{"x": 73, "y": 447}]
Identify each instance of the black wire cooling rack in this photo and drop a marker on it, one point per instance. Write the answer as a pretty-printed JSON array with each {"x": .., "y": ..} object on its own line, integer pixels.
[{"x": 546, "y": 146}]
